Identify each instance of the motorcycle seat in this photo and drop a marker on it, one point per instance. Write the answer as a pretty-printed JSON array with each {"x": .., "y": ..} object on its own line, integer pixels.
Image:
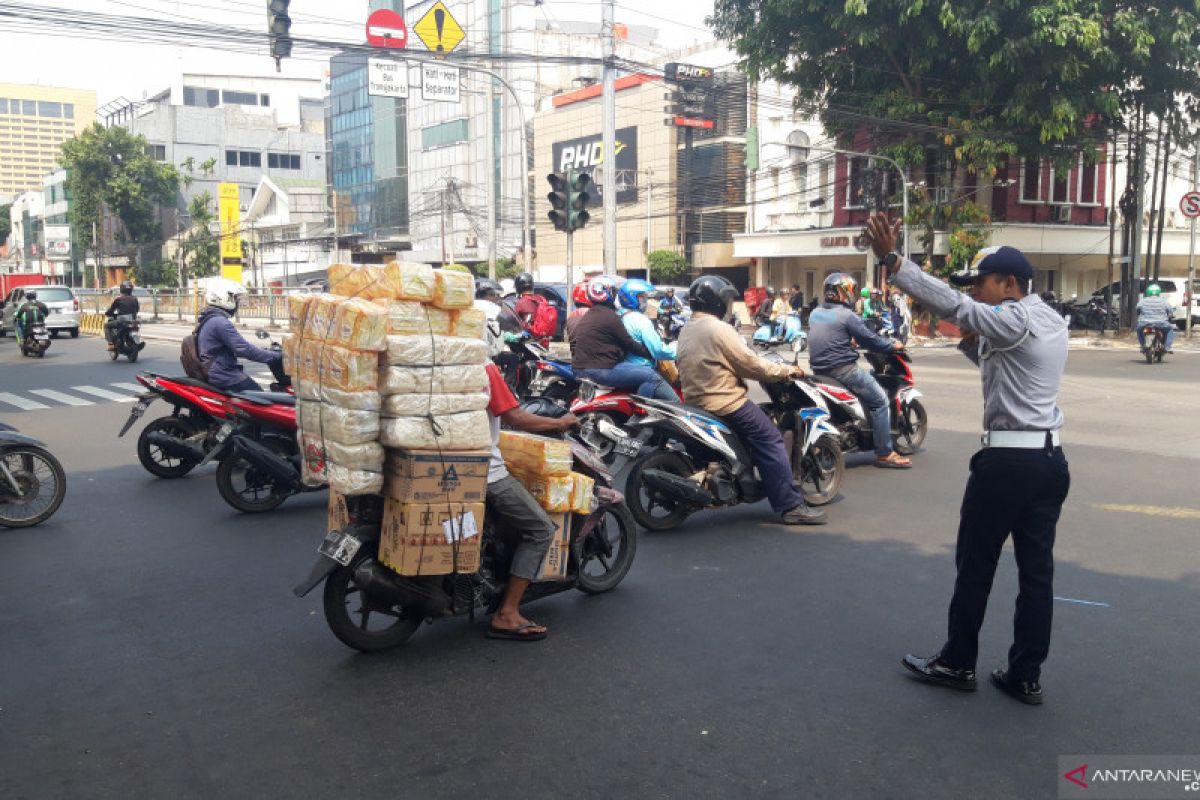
[
  {"x": 198, "y": 384},
  {"x": 827, "y": 379},
  {"x": 267, "y": 398}
]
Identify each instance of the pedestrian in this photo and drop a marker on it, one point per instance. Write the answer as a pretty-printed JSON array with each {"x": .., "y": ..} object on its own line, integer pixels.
[
  {"x": 797, "y": 298},
  {"x": 1019, "y": 479}
]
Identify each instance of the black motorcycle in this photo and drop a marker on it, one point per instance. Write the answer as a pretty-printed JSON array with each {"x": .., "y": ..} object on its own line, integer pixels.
[
  {"x": 371, "y": 608},
  {"x": 32, "y": 481},
  {"x": 127, "y": 339},
  {"x": 1156, "y": 343},
  {"x": 36, "y": 341}
]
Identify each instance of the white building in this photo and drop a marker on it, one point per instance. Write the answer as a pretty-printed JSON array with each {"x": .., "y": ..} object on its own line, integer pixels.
[
  {"x": 25, "y": 241},
  {"x": 287, "y": 224}
]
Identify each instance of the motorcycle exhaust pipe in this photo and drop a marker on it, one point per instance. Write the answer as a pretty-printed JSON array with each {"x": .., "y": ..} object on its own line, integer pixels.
[
  {"x": 382, "y": 585},
  {"x": 684, "y": 490},
  {"x": 174, "y": 446},
  {"x": 261, "y": 457}
]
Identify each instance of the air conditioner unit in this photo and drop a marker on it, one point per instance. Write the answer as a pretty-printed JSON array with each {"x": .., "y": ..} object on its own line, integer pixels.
[
  {"x": 941, "y": 195},
  {"x": 472, "y": 240},
  {"x": 1062, "y": 213}
]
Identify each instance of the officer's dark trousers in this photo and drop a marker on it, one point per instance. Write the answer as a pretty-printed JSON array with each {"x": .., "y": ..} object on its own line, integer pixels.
[{"x": 1019, "y": 492}]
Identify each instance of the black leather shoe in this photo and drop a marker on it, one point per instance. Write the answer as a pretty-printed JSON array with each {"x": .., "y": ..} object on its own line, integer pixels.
[
  {"x": 804, "y": 515},
  {"x": 934, "y": 670},
  {"x": 1028, "y": 692}
]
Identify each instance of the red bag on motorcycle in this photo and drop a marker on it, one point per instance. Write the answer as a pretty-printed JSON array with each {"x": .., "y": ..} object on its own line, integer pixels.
[{"x": 545, "y": 321}]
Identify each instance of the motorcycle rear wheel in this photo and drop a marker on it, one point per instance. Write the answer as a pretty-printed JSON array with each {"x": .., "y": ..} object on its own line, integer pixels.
[
  {"x": 243, "y": 488},
  {"x": 622, "y": 544},
  {"x": 823, "y": 468},
  {"x": 152, "y": 457},
  {"x": 1149, "y": 353},
  {"x": 36, "y": 469},
  {"x": 642, "y": 501},
  {"x": 341, "y": 590},
  {"x": 908, "y": 433}
]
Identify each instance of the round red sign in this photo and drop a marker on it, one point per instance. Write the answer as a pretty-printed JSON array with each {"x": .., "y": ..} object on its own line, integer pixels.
[{"x": 386, "y": 28}]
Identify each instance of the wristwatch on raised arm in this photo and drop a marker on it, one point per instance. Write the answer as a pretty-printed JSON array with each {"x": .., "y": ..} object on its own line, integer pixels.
[{"x": 890, "y": 261}]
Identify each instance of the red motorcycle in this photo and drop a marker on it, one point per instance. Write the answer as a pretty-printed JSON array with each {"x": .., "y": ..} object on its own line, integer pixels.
[{"x": 603, "y": 413}]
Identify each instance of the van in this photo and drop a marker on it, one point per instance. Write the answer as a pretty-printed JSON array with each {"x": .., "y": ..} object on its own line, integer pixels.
[{"x": 60, "y": 300}]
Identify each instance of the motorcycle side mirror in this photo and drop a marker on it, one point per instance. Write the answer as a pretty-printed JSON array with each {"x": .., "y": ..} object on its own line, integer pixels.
[{"x": 262, "y": 334}]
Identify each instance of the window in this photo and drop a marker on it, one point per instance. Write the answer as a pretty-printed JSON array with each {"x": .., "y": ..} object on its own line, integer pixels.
[
  {"x": 283, "y": 161},
  {"x": 68, "y": 110},
  {"x": 446, "y": 133},
  {"x": 157, "y": 151},
  {"x": 854, "y": 171},
  {"x": 239, "y": 98},
  {"x": 243, "y": 158},
  {"x": 1060, "y": 189},
  {"x": 49, "y": 109},
  {"x": 1031, "y": 180},
  {"x": 29, "y": 108},
  {"x": 231, "y": 158},
  {"x": 3, "y": 105},
  {"x": 1089, "y": 180},
  {"x": 201, "y": 98},
  {"x": 264, "y": 100}
]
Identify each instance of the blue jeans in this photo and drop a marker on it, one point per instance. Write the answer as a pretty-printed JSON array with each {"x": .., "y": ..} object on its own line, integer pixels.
[
  {"x": 1167, "y": 327},
  {"x": 756, "y": 430},
  {"x": 632, "y": 378},
  {"x": 867, "y": 389}
]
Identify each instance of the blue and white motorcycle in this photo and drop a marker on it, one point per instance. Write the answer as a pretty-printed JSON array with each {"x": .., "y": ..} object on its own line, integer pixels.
[
  {"x": 770, "y": 335},
  {"x": 682, "y": 460}
]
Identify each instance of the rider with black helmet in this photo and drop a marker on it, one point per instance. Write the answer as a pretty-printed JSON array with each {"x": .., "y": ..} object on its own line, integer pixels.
[
  {"x": 714, "y": 365},
  {"x": 528, "y": 301},
  {"x": 31, "y": 312},
  {"x": 124, "y": 304}
]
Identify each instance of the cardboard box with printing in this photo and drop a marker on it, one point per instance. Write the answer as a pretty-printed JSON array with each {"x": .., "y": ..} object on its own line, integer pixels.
[
  {"x": 339, "y": 515},
  {"x": 424, "y": 539},
  {"x": 535, "y": 455},
  {"x": 427, "y": 476},
  {"x": 554, "y": 565}
]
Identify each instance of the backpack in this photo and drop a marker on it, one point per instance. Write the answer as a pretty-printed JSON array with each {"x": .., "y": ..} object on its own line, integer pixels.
[
  {"x": 545, "y": 322},
  {"x": 194, "y": 366}
]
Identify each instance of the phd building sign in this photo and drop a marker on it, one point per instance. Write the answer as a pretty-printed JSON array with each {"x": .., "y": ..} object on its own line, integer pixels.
[{"x": 587, "y": 155}]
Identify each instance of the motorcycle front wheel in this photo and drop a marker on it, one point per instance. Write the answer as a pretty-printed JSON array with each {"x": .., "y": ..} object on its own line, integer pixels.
[
  {"x": 819, "y": 472},
  {"x": 651, "y": 510},
  {"x": 607, "y": 554},
  {"x": 908, "y": 431},
  {"x": 41, "y": 486},
  {"x": 349, "y": 612}
]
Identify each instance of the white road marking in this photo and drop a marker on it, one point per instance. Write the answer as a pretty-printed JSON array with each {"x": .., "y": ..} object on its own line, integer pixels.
[
  {"x": 65, "y": 399},
  {"x": 105, "y": 394},
  {"x": 1172, "y": 512},
  {"x": 16, "y": 401},
  {"x": 132, "y": 387}
]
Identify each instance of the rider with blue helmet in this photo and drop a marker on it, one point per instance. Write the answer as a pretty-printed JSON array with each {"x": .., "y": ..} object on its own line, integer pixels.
[{"x": 631, "y": 298}]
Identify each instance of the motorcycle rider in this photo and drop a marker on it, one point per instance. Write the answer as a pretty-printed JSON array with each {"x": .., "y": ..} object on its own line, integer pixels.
[
  {"x": 602, "y": 342},
  {"x": 832, "y": 330},
  {"x": 501, "y": 325},
  {"x": 714, "y": 365},
  {"x": 579, "y": 298},
  {"x": 31, "y": 312},
  {"x": 124, "y": 304},
  {"x": 631, "y": 299},
  {"x": 1155, "y": 311},
  {"x": 219, "y": 343}
]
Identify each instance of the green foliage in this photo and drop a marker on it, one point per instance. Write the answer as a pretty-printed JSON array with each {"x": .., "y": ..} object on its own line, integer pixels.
[
  {"x": 110, "y": 167},
  {"x": 967, "y": 225},
  {"x": 666, "y": 266},
  {"x": 156, "y": 273},
  {"x": 5, "y": 221},
  {"x": 507, "y": 268},
  {"x": 201, "y": 247}
]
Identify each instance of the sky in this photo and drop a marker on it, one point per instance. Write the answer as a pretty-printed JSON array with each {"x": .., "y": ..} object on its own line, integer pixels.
[{"x": 130, "y": 69}]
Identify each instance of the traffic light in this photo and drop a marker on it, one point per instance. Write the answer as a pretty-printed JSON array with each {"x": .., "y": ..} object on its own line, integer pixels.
[
  {"x": 577, "y": 199},
  {"x": 279, "y": 26},
  {"x": 558, "y": 201}
]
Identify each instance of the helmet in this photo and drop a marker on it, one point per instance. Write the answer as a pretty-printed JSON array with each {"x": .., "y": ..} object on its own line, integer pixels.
[
  {"x": 632, "y": 294},
  {"x": 601, "y": 292},
  {"x": 126, "y": 287},
  {"x": 1153, "y": 290},
  {"x": 31, "y": 295},
  {"x": 523, "y": 283},
  {"x": 875, "y": 293},
  {"x": 840, "y": 288},
  {"x": 711, "y": 294},
  {"x": 671, "y": 292},
  {"x": 486, "y": 286},
  {"x": 771, "y": 292},
  {"x": 865, "y": 292},
  {"x": 579, "y": 294},
  {"x": 224, "y": 293}
]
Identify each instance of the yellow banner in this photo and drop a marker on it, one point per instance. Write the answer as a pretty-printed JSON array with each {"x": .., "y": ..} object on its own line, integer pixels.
[{"x": 230, "y": 214}]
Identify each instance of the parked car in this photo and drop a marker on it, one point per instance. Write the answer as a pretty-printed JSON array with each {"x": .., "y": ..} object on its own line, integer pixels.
[
  {"x": 1174, "y": 291},
  {"x": 60, "y": 300}
]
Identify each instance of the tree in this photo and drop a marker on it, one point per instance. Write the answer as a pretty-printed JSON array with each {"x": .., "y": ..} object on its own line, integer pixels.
[
  {"x": 201, "y": 247},
  {"x": 506, "y": 268},
  {"x": 665, "y": 266},
  {"x": 5, "y": 221},
  {"x": 109, "y": 167}
]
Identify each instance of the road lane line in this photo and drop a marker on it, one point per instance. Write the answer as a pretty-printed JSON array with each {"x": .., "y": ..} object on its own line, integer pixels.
[
  {"x": 65, "y": 399},
  {"x": 105, "y": 394},
  {"x": 1081, "y": 602},
  {"x": 131, "y": 387},
  {"x": 1173, "y": 512},
  {"x": 16, "y": 401}
]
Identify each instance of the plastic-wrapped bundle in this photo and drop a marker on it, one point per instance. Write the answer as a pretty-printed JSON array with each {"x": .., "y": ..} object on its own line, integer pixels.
[
  {"x": 360, "y": 325},
  {"x": 290, "y": 344},
  {"x": 298, "y": 305},
  {"x": 409, "y": 281},
  {"x": 453, "y": 289},
  {"x": 306, "y": 377},
  {"x": 583, "y": 494},
  {"x": 468, "y": 431},
  {"x": 346, "y": 426},
  {"x": 535, "y": 455},
  {"x": 408, "y": 317},
  {"x": 359, "y": 401},
  {"x": 361, "y": 281},
  {"x": 348, "y": 370},
  {"x": 314, "y": 466},
  {"x": 433, "y": 380},
  {"x": 321, "y": 313},
  {"x": 350, "y": 481},
  {"x": 426, "y": 351},
  {"x": 469, "y": 323},
  {"x": 367, "y": 456},
  {"x": 421, "y": 405},
  {"x": 553, "y": 492}
]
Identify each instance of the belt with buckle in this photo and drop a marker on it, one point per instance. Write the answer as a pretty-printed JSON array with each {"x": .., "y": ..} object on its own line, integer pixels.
[{"x": 1024, "y": 440}]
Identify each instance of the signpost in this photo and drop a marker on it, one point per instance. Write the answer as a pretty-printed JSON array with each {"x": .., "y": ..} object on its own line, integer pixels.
[
  {"x": 386, "y": 28},
  {"x": 1190, "y": 206},
  {"x": 438, "y": 30},
  {"x": 387, "y": 78},
  {"x": 229, "y": 213},
  {"x": 439, "y": 82},
  {"x": 691, "y": 82}
]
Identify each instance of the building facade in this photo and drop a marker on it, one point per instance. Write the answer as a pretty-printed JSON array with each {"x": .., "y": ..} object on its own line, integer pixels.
[{"x": 34, "y": 122}]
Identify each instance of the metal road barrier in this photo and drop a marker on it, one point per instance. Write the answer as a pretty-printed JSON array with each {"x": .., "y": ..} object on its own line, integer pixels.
[
  {"x": 167, "y": 304},
  {"x": 91, "y": 324}
]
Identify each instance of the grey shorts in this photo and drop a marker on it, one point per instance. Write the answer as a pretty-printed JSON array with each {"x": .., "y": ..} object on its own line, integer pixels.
[{"x": 514, "y": 512}]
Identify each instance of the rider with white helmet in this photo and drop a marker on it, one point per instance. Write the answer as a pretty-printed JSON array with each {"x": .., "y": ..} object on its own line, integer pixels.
[{"x": 219, "y": 342}]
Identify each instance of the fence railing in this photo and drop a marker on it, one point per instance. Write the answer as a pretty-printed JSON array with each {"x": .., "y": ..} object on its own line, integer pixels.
[{"x": 167, "y": 304}]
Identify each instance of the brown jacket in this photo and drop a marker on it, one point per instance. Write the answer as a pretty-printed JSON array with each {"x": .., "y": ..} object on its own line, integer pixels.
[{"x": 714, "y": 365}]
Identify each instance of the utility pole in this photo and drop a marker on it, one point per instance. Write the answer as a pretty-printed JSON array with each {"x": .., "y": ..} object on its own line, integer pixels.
[
  {"x": 1190, "y": 294},
  {"x": 1162, "y": 202},
  {"x": 609, "y": 143},
  {"x": 1129, "y": 289},
  {"x": 489, "y": 158}
]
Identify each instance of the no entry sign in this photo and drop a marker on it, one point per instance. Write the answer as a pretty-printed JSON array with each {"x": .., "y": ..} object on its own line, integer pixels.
[
  {"x": 386, "y": 28},
  {"x": 1190, "y": 205}
]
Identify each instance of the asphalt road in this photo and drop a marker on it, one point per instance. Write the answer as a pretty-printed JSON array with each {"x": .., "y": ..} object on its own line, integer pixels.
[{"x": 150, "y": 645}]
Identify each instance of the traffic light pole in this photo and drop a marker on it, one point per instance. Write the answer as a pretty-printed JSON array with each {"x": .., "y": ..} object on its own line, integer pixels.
[
  {"x": 609, "y": 145},
  {"x": 570, "y": 270}
]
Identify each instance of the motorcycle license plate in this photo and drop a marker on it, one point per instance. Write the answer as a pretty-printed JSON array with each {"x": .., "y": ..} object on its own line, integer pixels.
[
  {"x": 341, "y": 547},
  {"x": 135, "y": 414},
  {"x": 627, "y": 446}
]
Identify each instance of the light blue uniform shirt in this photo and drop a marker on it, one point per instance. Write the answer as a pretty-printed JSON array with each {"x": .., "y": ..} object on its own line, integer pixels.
[{"x": 642, "y": 329}]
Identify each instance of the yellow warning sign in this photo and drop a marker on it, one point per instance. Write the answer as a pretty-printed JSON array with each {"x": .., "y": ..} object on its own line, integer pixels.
[{"x": 439, "y": 30}]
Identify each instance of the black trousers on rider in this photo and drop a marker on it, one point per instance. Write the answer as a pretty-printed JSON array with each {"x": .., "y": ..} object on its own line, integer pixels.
[{"x": 1018, "y": 492}]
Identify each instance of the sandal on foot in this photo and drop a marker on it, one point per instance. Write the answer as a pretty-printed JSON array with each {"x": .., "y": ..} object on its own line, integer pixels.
[
  {"x": 893, "y": 462},
  {"x": 518, "y": 633}
]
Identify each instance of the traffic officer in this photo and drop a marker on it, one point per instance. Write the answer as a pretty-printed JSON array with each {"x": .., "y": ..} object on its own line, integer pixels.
[{"x": 1019, "y": 479}]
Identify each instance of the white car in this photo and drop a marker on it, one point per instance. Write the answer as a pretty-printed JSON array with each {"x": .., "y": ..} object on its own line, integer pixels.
[
  {"x": 1174, "y": 291},
  {"x": 60, "y": 300}
]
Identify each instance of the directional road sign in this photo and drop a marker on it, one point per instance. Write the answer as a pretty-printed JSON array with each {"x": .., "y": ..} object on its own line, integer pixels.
[
  {"x": 386, "y": 28},
  {"x": 439, "y": 30},
  {"x": 1190, "y": 205}
]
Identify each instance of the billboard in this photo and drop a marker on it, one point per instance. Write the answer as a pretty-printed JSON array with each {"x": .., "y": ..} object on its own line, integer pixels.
[
  {"x": 586, "y": 154},
  {"x": 229, "y": 212},
  {"x": 58, "y": 242}
]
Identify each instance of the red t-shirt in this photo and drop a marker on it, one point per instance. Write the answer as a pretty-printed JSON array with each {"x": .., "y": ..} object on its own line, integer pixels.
[{"x": 501, "y": 402}]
